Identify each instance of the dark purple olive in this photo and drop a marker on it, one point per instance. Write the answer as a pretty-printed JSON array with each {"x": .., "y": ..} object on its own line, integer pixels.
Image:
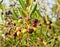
[
  {"x": 35, "y": 20},
  {"x": 40, "y": 25},
  {"x": 49, "y": 42},
  {"x": 19, "y": 17},
  {"x": 8, "y": 23},
  {"x": 41, "y": 39},
  {"x": 44, "y": 19},
  {"x": 59, "y": 17},
  {"x": 2, "y": 13},
  {"x": 8, "y": 12},
  {"x": 49, "y": 26},
  {"x": 50, "y": 22},
  {"x": 56, "y": 38},
  {"x": 14, "y": 24},
  {"x": 34, "y": 0},
  {"x": 30, "y": 30},
  {"x": 15, "y": 34},
  {"x": 7, "y": 32}
]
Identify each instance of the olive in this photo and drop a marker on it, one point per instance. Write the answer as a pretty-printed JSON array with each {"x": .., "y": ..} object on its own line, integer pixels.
[
  {"x": 35, "y": 20},
  {"x": 34, "y": 24},
  {"x": 15, "y": 34},
  {"x": 41, "y": 39},
  {"x": 30, "y": 30},
  {"x": 7, "y": 32},
  {"x": 18, "y": 33}
]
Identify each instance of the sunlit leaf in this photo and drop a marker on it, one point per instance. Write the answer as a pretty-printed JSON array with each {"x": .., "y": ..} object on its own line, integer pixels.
[
  {"x": 33, "y": 9},
  {"x": 15, "y": 14},
  {"x": 22, "y": 4}
]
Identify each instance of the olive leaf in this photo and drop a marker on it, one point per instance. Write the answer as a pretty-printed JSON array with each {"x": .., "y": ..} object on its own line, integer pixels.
[
  {"x": 41, "y": 31},
  {"x": 38, "y": 14},
  {"x": 59, "y": 1},
  {"x": 46, "y": 31},
  {"x": 2, "y": 6},
  {"x": 33, "y": 9},
  {"x": 22, "y": 12},
  {"x": 53, "y": 29},
  {"x": 2, "y": 17},
  {"x": 15, "y": 13},
  {"x": 22, "y": 4},
  {"x": 29, "y": 2},
  {"x": 15, "y": 17}
]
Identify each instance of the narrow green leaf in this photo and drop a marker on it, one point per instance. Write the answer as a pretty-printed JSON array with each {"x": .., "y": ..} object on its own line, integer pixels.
[
  {"x": 38, "y": 14},
  {"x": 21, "y": 12},
  {"x": 53, "y": 29},
  {"x": 53, "y": 43},
  {"x": 33, "y": 9},
  {"x": 15, "y": 14},
  {"x": 12, "y": 17},
  {"x": 46, "y": 31},
  {"x": 22, "y": 4},
  {"x": 27, "y": 2},
  {"x": 2, "y": 17},
  {"x": 2, "y": 6},
  {"x": 41, "y": 31}
]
